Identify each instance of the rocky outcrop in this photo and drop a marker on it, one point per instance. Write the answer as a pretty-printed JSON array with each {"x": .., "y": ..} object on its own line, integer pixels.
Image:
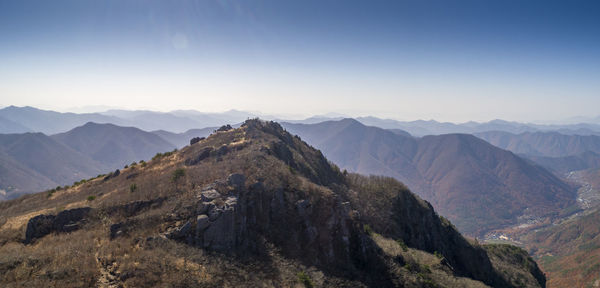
[
  {"x": 198, "y": 157},
  {"x": 65, "y": 221},
  {"x": 236, "y": 219},
  {"x": 196, "y": 140},
  {"x": 112, "y": 175}
]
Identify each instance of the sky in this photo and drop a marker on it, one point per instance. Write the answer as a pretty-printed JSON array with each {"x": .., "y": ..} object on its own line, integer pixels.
[{"x": 423, "y": 59}]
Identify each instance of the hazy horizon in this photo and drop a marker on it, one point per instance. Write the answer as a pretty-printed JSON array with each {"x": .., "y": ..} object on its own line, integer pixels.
[
  {"x": 299, "y": 117},
  {"x": 535, "y": 61}
]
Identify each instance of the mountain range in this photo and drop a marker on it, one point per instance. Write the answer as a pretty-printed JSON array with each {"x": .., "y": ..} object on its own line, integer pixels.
[
  {"x": 29, "y": 119},
  {"x": 253, "y": 206},
  {"x": 476, "y": 185},
  {"x": 34, "y": 161}
]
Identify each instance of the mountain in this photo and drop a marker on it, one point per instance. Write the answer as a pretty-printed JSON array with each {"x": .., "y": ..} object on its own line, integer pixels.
[
  {"x": 432, "y": 127},
  {"x": 476, "y": 185},
  {"x": 570, "y": 251},
  {"x": 17, "y": 179},
  {"x": 112, "y": 145},
  {"x": 582, "y": 161},
  {"x": 11, "y": 127},
  {"x": 545, "y": 144},
  {"x": 34, "y": 161},
  {"x": 29, "y": 119},
  {"x": 50, "y": 122},
  {"x": 253, "y": 206},
  {"x": 178, "y": 121},
  {"x": 182, "y": 139}
]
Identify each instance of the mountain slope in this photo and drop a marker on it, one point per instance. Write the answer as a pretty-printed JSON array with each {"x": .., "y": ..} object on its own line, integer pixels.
[
  {"x": 11, "y": 127},
  {"x": 545, "y": 144},
  {"x": 461, "y": 175},
  {"x": 16, "y": 179},
  {"x": 583, "y": 161},
  {"x": 38, "y": 161},
  {"x": 112, "y": 145},
  {"x": 182, "y": 139},
  {"x": 570, "y": 251},
  {"x": 253, "y": 206}
]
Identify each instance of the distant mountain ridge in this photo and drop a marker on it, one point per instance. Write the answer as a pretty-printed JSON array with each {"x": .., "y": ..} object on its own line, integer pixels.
[
  {"x": 478, "y": 186},
  {"x": 34, "y": 161},
  {"x": 31, "y": 162},
  {"x": 112, "y": 145},
  {"x": 29, "y": 119},
  {"x": 544, "y": 144}
]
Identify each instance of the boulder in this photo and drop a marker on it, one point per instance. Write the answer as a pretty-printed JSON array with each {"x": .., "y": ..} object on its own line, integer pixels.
[
  {"x": 69, "y": 220},
  {"x": 196, "y": 140},
  {"x": 220, "y": 235},
  {"x": 205, "y": 153},
  {"x": 116, "y": 230},
  {"x": 38, "y": 227},
  {"x": 209, "y": 195},
  {"x": 236, "y": 181},
  {"x": 65, "y": 221},
  {"x": 224, "y": 128},
  {"x": 202, "y": 222}
]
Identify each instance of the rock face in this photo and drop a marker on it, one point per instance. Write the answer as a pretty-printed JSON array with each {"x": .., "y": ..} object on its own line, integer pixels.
[
  {"x": 196, "y": 140},
  {"x": 235, "y": 219},
  {"x": 65, "y": 221}
]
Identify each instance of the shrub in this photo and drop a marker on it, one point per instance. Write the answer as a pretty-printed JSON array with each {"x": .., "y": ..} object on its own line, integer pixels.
[
  {"x": 178, "y": 174},
  {"x": 304, "y": 279},
  {"x": 132, "y": 187},
  {"x": 402, "y": 244},
  {"x": 157, "y": 156},
  {"x": 438, "y": 255},
  {"x": 91, "y": 198},
  {"x": 368, "y": 229},
  {"x": 195, "y": 140}
]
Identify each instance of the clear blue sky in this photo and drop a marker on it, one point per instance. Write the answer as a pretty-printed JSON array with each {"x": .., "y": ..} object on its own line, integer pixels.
[{"x": 448, "y": 60}]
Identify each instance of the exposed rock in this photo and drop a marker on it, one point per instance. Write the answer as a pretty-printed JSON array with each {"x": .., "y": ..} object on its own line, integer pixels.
[
  {"x": 194, "y": 160},
  {"x": 38, "y": 227},
  {"x": 132, "y": 175},
  {"x": 224, "y": 128},
  {"x": 214, "y": 212},
  {"x": 220, "y": 235},
  {"x": 209, "y": 195},
  {"x": 236, "y": 180},
  {"x": 116, "y": 230},
  {"x": 182, "y": 232},
  {"x": 65, "y": 221},
  {"x": 202, "y": 222},
  {"x": 196, "y": 140},
  {"x": 304, "y": 208},
  {"x": 112, "y": 175}
]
